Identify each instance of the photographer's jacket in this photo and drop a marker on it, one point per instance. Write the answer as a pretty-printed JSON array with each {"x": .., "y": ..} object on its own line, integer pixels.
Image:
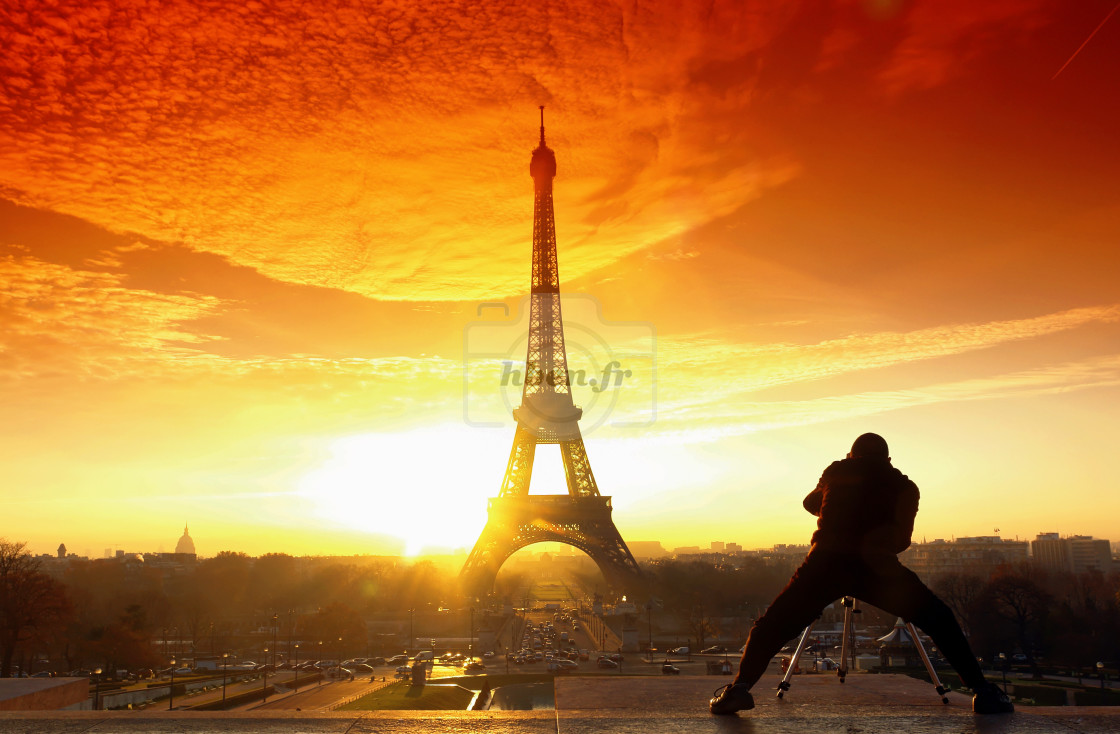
[{"x": 865, "y": 506}]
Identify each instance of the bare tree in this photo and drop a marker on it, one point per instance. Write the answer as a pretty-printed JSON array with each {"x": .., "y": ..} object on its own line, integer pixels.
[
  {"x": 960, "y": 591},
  {"x": 30, "y": 601}
]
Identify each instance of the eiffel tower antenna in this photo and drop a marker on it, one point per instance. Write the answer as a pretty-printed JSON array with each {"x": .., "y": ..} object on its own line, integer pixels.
[{"x": 547, "y": 414}]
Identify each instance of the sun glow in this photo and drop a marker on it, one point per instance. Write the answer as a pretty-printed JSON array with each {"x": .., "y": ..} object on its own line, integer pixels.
[{"x": 427, "y": 486}]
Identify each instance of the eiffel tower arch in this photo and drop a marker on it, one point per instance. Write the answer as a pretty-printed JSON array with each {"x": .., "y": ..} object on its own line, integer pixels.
[{"x": 547, "y": 415}]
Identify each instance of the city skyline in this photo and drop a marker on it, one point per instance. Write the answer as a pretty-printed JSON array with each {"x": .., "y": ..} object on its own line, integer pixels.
[
  {"x": 243, "y": 251},
  {"x": 640, "y": 548}
]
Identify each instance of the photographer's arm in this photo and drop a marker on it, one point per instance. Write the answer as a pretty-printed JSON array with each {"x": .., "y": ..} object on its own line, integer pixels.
[{"x": 812, "y": 503}]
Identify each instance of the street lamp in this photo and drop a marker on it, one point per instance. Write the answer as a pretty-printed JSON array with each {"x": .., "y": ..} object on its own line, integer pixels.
[
  {"x": 320, "y": 662},
  {"x": 411, "y": 631},
  {"x": 275, "y": 633},
  {"x": 97, "y": 689},
  {"x": 225, "y": 657},
  {"x": 649, "y": 619},
  {"x": 264, "y": 686},
  {"x": 1100, "y": 673},
  {"x": 291, "y": 630},
  {"x": 470, "y": 646},
  {"x": 171, "y": 688},
  {"x": 339, "y": 666},
  {"x": 1003, "y": 669},
  {"x": 295, "y": 667}
]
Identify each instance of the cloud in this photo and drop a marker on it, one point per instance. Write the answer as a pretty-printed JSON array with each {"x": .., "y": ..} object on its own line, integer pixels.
[
  {"x": 58, "y": 319},
  {"x": 716, "y": 383},
  {"x": 381, "y": 149},
  {"x": 944, "y": 38},
  {"x": 1048, "y": 380}
]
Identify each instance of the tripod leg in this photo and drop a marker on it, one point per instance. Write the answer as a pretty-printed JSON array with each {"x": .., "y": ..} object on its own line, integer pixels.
[
  {"x": 849, "y": 604},
  {"x": 784, "y": 685},
  {"x": 941, "y": 690}
]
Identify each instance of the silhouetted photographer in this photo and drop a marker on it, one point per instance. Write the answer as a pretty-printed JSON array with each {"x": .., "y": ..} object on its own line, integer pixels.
[{"x": 865, "y": 509}]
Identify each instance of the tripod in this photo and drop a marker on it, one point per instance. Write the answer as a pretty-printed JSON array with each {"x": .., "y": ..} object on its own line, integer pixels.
[{"x": 847, "y": 650}]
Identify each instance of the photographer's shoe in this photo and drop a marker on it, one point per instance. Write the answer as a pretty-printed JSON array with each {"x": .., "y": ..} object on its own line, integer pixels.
[
  {"x": 991, "y": 700},
  {"x": 731, "y": 698}
]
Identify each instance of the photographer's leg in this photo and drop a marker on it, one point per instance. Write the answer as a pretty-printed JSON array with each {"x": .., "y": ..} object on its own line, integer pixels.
[
  {"x": 815, "y": 584},
  {"x": 896, "y": 589}
]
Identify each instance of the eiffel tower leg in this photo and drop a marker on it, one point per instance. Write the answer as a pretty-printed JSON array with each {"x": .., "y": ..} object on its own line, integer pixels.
[
  {"x": 486, "y": 558},
  {"x": 577, "y": 469},
  {"x": 610, "y": 554},
  {"x": 519, "y": 470}
]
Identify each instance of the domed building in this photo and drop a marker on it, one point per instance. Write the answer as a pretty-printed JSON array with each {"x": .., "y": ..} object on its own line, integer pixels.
[{"x": 185, "y": 547}]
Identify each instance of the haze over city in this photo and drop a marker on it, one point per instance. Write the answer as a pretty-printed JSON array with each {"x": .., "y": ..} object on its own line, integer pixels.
[{"x": 246, "y": 249}]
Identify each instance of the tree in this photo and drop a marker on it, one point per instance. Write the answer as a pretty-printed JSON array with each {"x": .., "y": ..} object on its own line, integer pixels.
[
  {"x": 30, "y": 601},
  {"x": 1018, "y": 608},
  {"x": 960, "y": 591},
  {"x": 339, "y": 627}
]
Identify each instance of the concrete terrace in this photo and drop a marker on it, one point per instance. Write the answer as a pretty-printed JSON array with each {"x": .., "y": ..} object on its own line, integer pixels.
[{"x": 868, "y": 704}]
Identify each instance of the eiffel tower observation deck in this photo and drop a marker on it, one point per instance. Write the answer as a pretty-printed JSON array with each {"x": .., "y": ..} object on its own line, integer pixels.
[{"x": 549, "y": 415}]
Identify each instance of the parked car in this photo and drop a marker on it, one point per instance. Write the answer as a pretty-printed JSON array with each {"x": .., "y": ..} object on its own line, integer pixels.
[
  {"x": 474, "y": 666},
  {"x": 670, "y": 669},
  {"x": 397, "y": 660},
  {"x": 713, "y": 650},
  {"x": 606, "y": 663}
]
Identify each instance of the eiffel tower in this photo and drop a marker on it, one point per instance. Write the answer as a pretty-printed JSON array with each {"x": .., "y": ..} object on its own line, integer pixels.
[{"x": 582, "y": 517}]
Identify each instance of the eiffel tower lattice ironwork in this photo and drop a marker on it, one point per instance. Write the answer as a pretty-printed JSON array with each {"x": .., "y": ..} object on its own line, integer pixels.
[{"x": 582, "y": 517}]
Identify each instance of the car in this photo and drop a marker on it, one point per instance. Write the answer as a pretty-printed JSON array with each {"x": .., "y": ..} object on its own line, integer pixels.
[
  {"x": 474, "y": 666},
  {"x": 683, "y": 650},
  {"x": 338, "y": 672},
  {"x": 360, "y": 668},
  {"x": 670, "y": 669},
  {"x": 42, "y": 674},
  {"x": 397, "y": 660},
  {"x": 713, "y": 650},
  {"x": 606, "y": 663}
]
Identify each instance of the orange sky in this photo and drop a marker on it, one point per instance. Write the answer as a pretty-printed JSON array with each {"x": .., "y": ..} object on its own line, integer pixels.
[{"x": 243, "y": 247}]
